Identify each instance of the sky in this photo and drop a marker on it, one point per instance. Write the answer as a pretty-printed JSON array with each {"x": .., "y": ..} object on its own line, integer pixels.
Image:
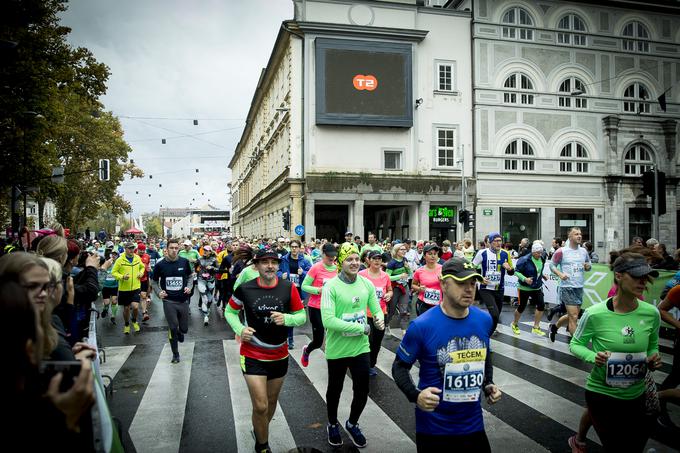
[{"x": 172, "y": 62}]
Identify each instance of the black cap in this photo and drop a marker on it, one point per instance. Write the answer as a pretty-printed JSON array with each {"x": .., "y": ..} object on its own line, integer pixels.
[
  {"x": 460, "y": 269},
  {"x": 429, "y": 247},
  {"x": 264, "y": 254},
  {"x": 329, "y": 249},
  {"x": 636, "y": 268},
  {"x": 374, "y": 254}
]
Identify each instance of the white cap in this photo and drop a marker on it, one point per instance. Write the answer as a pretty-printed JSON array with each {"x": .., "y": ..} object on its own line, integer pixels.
[
  {"x": 187, "y": 242},
  {"x": 207, "y": 248},
  {"x": 536, "y": 247}
]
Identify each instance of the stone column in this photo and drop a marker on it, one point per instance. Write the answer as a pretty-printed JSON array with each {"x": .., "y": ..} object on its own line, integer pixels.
[
  {"x": 310, "y": 228},
  {"x": 424, "y": 220},
  {"x": 296, "y": 214},
  {"x": 358, "y": 225}
]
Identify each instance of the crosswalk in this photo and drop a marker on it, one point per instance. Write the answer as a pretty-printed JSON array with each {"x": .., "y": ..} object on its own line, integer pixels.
[{"x": 203, "y": 400}]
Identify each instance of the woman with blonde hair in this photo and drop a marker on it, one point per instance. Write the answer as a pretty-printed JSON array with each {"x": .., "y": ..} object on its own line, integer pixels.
[
  {"x": 400, "y": 272},
  {"x": 54, "y": 247}
]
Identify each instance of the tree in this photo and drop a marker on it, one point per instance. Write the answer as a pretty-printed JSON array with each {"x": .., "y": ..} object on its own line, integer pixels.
[{"x": 152, "y": 225}]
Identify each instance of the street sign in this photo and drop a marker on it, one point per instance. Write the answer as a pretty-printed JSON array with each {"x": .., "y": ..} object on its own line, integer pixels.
[
  {"x": 487, "y": 212},
  {"x": 300, "y": 230}
]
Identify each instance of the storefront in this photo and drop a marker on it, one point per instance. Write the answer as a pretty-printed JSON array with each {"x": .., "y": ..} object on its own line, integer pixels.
[
  {"x": 518, "y": 223},
  {"x": 568, "y": 218},
  {"x": 443, "y": 223}
]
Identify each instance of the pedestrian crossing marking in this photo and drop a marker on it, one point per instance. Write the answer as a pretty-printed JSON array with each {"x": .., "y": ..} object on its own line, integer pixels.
[
  {"x": 280, "y": 437},
  {"x": 157, "y": 426},
  {"x": 116, "y": 356},
  {"x": 382, "y": 434}
]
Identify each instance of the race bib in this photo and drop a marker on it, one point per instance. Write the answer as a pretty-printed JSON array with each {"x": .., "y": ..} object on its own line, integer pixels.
[
  {"x": 205, "y": 276},
  {"x": 358, "y": 317},
  {"x": 464, "y": 377},
  {"x": 294, "y": 279},
  {"x": 173, "y": 283},
  {"x": 494, "y": 277},
  {"x": 379, "y": 293},
  {"x": 432, "y": 296},
  {"x": 625, "y": 369},
  {"x": 152, "y": 262},
  {"x": 110, "y": 278}
]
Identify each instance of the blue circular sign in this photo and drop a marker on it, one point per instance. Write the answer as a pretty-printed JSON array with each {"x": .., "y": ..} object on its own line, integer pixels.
[{"x": 300, "y": 230}]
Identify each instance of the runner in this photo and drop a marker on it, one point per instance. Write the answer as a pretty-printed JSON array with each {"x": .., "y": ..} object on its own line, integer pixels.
[
  {"x": 529, "y": 272},
  {"x": 383, "y": 292},
  {"x": 371, "y": 245},
  {"x": 206, "y": 267},
  {"x": 400, "y": 272},
  {"x": 144, "y": 282},
  {"x": 343, "y": 310},
  {"x": 294, "y": 267},
  {"x": 192, "y": 255},
  {"x": 154, "y": 256},
  {"x": 672, "y": 300},
  {"x": 128, "y": 270},
  {"x": 451, "y": 344},
  {"x": 625, "y": 334},
  {"x": 426, "y": 280},
  {"x": 270, "y": 305},
  {"x": 110, "y": 288},
  {"x": 173, "y": 275},
  {"x": 495, "y": 263},
  {"x": 313, "y": 284}
]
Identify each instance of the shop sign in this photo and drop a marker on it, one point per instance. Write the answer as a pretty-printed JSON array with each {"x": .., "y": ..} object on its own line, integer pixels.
[{"x": 441, "y": 215}]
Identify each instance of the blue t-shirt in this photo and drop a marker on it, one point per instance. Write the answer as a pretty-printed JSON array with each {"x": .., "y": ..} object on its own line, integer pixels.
[{"x": 435, "y": 340}]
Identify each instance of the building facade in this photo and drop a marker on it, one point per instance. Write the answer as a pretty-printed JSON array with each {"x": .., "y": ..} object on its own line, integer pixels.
[
  {"x": 361, "y": 122},
  {"x": 566, "y": 118}
]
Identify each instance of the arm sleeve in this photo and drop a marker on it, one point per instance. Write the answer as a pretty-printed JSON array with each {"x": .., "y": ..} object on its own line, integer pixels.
[
  {"x": 520, "y": 276},
  {"x": 582, "y": 336},
  {"x": 231, "y": 315},
  {"x": 298, "y": 316},
  {"x": 488, "y": 369},
  {"x": 402, "y": 377},
  {"x": 307, "y": 285},
  {"x": 477, "y": 260},
  {"x": 389, "y": 270},
  {"x": 188, "y": 274},
  {"x": 157, "y": 273},
  {"x": 88, "y": 288},
  {"x": 556, "y": 260},
  {"x": 330, "y": 321}
]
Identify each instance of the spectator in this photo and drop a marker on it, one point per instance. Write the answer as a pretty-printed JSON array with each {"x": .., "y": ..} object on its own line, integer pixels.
[
  {"x": 556, "y": 244},
  {"x": 524, "y": 247},
  {"x": 591, "y": 252},
  {"x": 637, "y": 242},
  {"x": 668, "y": 263},
  {"x": 469, "y": 250},
  {"x": 511, "y": 251},
  {"x": 652, "y": 243},
  {"x": 446, "y": 253}
]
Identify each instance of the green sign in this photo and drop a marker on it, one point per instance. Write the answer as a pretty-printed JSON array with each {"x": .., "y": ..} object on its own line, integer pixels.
[
  {"x": 442, "y": 215},
  {"x": 487, "y": 212}
]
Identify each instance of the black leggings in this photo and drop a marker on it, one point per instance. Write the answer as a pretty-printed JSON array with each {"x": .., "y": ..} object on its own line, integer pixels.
[
  {"x": 177, "y": 316},
  {"x": 620, "y": 424},
  {"x": 337, "y": 369},
  {"x": 477, "y": 442},
  {"x": 317, "y": 329},
  {"x": 536, "y": 296},
  {"x": 494, "y": 303},
  {"x": 375, "y": 340}
]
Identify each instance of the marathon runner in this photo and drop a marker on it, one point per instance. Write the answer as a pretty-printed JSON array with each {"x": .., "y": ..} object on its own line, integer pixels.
[
  {"x": 426, "y": 280},
  {"x": 451, "y": 344},
  {"x": 270, "y": 305},
  {"x": 672, "y": 300},
  {"x": 371, "y": 245},
  {"x": 313, "y": 284},
  {"x": 294, "y": 267},
  {"x": 110, "y": 288},
  {"x": 529, "y": 272},
  {"x": 383, "y": 292},
  {"x": 192, "y": 256},
  {"x": 173, "y": 275},
  {"x": 495, "y": 263},
  {"x": 144, "y": 282},
  {"x": 344, "y": 301},
  {"x": 128, "y": 270},
  {"x": 400, "y": 272},
  {"x": 625, "y": 343},
  {"x": 206, "y": 267}
]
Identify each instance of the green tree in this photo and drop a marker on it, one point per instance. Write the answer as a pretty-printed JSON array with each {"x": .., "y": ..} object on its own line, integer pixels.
[{"x": 152, "y": 225}]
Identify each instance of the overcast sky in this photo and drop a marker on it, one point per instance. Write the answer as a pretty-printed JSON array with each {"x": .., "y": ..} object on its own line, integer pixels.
[{"x": 179, "y": 59}]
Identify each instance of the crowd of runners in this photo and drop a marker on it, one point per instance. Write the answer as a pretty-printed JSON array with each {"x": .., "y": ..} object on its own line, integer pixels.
[{"x": 444, "y": 300}]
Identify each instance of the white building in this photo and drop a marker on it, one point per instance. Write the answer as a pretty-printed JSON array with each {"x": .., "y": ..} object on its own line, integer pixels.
[
  {"x": 361, "y": 121},
  {"x": 49, "y": 213}
]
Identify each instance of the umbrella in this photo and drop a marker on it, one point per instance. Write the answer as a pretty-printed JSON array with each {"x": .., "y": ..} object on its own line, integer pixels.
[{"x": 133, "y": 231}]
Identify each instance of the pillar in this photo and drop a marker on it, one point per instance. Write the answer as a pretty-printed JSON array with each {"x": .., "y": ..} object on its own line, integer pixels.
[
  {"x": 310, "y": 227},
  {"x": 424, "y": 220},
  {"x": 358, "y": 225}
]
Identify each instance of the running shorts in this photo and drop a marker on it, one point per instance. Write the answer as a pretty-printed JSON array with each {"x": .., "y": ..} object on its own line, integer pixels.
[
  {"x": 273, "y": 369},
  {"x": 127, "y": 297},
  {"x": 571, "y": 296},
  {"x": 144, "y": 286},
  {"x": 107, "y": 292}
]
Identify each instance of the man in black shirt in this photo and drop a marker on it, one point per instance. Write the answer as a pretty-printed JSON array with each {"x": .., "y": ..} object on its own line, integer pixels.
[{"x": 174, "y": 277}]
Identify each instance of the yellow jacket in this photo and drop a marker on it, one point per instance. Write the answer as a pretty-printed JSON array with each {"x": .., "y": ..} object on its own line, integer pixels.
[{"x": 123, "y": 267}]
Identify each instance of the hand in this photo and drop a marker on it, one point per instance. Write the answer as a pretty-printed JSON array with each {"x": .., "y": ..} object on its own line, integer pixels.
[
  {"x": 388, "y": 296},
  {"x": 545, "y": 277},
  {"x": 654, "y": 362},
  {"x": 485, "y": 281},
  {"x": 506, "y": 266},
  {"x": 493, "y": 394},
  {"x": 564, "y": 277},
  {"x": 404, "y": 276},
  {"x": 277, "y": 317},
  {"x": 247, "y": 334},
  {"x": 379, "y": 323},
  {"x": 284, "y": 276},
  {"x": 587, "y": 267},
  {"x": 601, "y": 358},
  {"x": 92, "y": 260},
  {"x": 139, "y": 276},
  {"x": 84, "y": 351},
  {"x": 529, "y": 281},
  {"x": 299, "y": 271},
  {"x": 428, "y": 399},
  {"x": 187, "y": 291},
  {"x": 74, "y": 402},
  {"x": 162, "y": 294},
  {"x": 126, "y": 277},
  {"x": 70, "y": 291}
]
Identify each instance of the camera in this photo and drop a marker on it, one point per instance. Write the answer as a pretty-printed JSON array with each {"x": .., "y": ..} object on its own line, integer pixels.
[{"x": 70, "y": 370}]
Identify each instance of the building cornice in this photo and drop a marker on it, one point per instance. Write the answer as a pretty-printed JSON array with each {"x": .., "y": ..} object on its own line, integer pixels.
[{"x": 326, "y": 29}]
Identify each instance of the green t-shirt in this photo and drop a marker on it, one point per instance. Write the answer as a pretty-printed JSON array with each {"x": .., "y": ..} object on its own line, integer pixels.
[
  {"x": 192, "y": 255},
  {"x": 247, "y": 274},
  {"x": 343, "y": 312},
  {"x": 539, "y": 266},
  {"x": 627, "y": 333},
  {"x": 375, "y": 247}
]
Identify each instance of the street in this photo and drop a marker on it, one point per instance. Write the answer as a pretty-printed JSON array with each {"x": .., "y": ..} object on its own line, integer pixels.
[{"x": 202, "y": 403}]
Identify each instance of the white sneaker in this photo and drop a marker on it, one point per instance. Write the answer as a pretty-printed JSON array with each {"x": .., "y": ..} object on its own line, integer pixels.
[{"x": 206, "y": 321}]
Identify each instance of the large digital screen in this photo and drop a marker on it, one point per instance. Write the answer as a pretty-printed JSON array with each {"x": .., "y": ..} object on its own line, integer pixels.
[{"x": 363, "y": 83}]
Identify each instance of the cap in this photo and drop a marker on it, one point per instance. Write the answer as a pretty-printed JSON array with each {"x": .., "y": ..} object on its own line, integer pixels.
[
  {"x": 536, "y": 247},
  {"x": 636, "y": 268},
  {"x": 429, "y": 247},
  {"x": 109, "y": 244},
  {"x": 348, "y": 233},
  {"x": 141, "y": 246},
  {"x": 460, "y": 270},
  {"x": 130, "y": 245},
  {"x": 374, "y": 254},
  {"x": 207, "y": 248},
  {"x": 114, "y": 252},
  {"x": 264, "y": 254},
  {"x": 494, "y": 235},
  {"x": 187, "y": 242},
  {"x": 329, "y": 249}
]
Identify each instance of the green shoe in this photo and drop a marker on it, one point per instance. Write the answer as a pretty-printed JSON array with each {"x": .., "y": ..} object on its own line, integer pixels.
[{"x": 515, "y": 328}]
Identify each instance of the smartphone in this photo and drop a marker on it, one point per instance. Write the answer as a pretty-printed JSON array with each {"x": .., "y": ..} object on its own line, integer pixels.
[{"x": 69, "y": 368}]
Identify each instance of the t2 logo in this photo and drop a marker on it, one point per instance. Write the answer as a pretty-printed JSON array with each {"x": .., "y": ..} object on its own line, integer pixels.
[{"x": 365, "y": 82}]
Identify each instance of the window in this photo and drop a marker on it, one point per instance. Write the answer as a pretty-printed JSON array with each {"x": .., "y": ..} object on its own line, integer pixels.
[
  {"x": 446, "y": 147},
  {"x": 637, "y": 160},
  {"x": 392, "y": 160},
  {"x": 575, "y": 25},
  {"x": 633, "y": 98},
  {"x": 570, "y": 89},
  {"x": 635, "y": 37},
  {"x": 514, "y": 20},
  {"x": 575, "y": 158},
  {"x": 519, "y": 83},
  {"x": 445, "y": 77},
  {"x": 516, "y": 149}
]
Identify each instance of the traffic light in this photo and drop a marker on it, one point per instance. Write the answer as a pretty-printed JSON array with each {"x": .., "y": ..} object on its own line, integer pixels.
[
  {"x": 463, "y": 216},
  {"x": 648, "y": 188},
  {"x": 648, "y": 183},
  {"x": 286, "y": 220},
  {"x": 470, "y": 224},
  {"x": 104, "y": 173}
]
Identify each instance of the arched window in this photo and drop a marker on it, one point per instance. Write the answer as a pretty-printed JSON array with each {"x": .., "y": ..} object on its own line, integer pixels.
[
  {"x": 575, "y": 158},
  {"x": 514, "y": 20},
  {"x": 575, "y": 27},
  {"x": 638, "y": 159},
  {"x": 517, "y": 85},
  {"x": 518, "y": 156},
  {"x": 635, "y": 97},
  {"x": 635, "y": 37},
  {"x": 570, "y": 91}
]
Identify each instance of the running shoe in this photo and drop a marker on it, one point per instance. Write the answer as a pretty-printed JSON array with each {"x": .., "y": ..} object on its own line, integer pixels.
[
  {"x": 334, "y": 438},
  {"x": 551, "y": 313},
  {"x": 135, "y": 326},
  {"x": 105, "y": 312},
  {"x": 304, "y": 360},
  {"x": 576, "y": 445},
  {"x": 126, "y": 330},
  {"x": 180, "y": 337},
  {"x": 113, "y": 320},
  {"x": 206, "y": 321},
  {"x": 372, "y": 371},
  {"x": 553, "y": 332},
  {"x": 263, "y": 448},
  {"x": 356, "y": 435},
  {"x": 175, "y": 358},
  {"x": 146, "y": 317},
  {"x": 291, "y": 344},
  {"x": 515, "y": 328},
  {"x": 538, "y": 331}
]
